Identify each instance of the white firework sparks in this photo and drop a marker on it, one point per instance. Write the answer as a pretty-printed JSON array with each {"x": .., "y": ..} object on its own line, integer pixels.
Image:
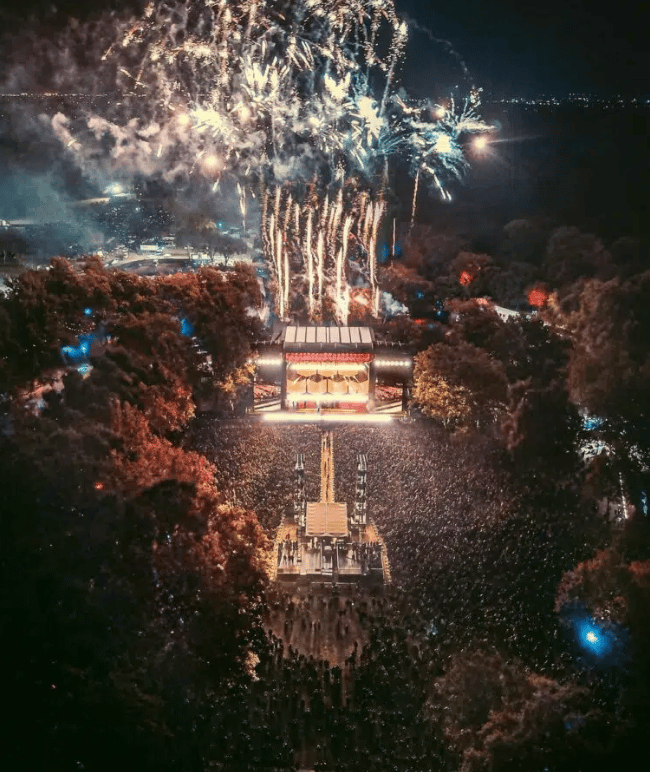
[{"x": 276, "y": 93}]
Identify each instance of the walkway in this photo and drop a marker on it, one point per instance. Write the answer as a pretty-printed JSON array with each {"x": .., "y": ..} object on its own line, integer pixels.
[{"x": 327, "y": 467}]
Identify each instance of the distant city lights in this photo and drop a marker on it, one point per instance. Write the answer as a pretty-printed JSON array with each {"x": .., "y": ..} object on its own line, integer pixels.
[{"x": 579, "y": 100}]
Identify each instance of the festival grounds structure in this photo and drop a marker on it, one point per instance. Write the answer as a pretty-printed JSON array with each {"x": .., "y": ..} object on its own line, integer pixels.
[
  {"x": 324, "y": 542},
  {"x": 330, "y": 375}
]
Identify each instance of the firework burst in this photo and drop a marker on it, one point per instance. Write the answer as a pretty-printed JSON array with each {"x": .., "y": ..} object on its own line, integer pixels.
[{"x": 295, "y": 98}]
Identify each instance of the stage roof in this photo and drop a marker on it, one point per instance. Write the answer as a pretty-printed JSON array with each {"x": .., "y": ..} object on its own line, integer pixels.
[
  {"x": 325, "y": 518},
  {"x": 328, "y": 338}
]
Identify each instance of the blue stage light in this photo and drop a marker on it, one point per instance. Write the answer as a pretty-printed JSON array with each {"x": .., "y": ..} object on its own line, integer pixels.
[
  {"x": 186, "y": 327},
  {"x": 594, "y": 639}
]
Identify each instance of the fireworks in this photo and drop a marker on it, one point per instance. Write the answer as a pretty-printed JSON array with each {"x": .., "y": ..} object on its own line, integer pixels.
[
  {"x": 329, "y": 236},
  {"x": 294, "y": 97}
]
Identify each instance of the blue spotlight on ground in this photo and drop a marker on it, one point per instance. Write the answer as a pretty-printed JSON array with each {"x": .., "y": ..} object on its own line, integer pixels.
[
  {"x": 594, "y": 639},
  {"x": 186, "y": 327}
]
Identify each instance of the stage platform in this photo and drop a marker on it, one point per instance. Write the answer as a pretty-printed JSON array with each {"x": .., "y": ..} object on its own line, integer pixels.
[{"x": 315, "y": 369}]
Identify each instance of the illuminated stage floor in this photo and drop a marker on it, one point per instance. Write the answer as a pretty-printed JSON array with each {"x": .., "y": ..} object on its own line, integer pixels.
[{"x": 271, "y": 405}]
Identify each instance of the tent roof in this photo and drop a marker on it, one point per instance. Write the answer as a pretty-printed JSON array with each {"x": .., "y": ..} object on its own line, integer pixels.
[
  {"x": 328, "y": 338},
  {"x": 326, "y": 518}
]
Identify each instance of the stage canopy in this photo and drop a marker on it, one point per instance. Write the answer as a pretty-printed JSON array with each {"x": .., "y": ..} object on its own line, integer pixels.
[
  {"x": 297, "y": 338},
  {"x": 325, "y": 518}
]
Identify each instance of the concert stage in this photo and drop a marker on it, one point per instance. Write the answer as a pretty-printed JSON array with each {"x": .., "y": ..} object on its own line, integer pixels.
[{"x": 319, "y": 372}]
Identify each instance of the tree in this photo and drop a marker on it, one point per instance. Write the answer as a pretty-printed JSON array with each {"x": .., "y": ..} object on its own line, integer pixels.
[
  {"x": 472, "y": 272},
  {"x": 524, "y": 241},
  {"x": 44, "y": 310},
  {"x": 143, "y": 352},
  {"x": 497, "y": 715},
  {"x": 609, "y": 367},
  {"x": 458, "y": 384},
  {"x": 156, "y": 369},
  {"x": 147, "y": 603},
  {"x": 227, "y": 246},
  {"x": 427, "y": 249},
  {"x": 403, "y": 283},
  {"x": 506, "y": 285},
  {"x": 118, "y": 542},
  {"x": 614, "y": 585},
  {"x": 539, "y": 432},
  {"x": 627, "y": 256},
  {"x": 220, "y": 307},
  {"x": 416, "y": 335},
  {"x": 571, "y": 254},
  {"x": 611, "y": 591}
]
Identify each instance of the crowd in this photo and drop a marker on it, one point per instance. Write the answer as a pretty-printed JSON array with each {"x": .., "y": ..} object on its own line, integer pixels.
[
  {"x": 287, "y": 552},
  {"x": 474, "y": 556},
  {"x": 255, "y": 464},
  {"x": 346, "y": 677},
  {"x": 345, "y": 683}
]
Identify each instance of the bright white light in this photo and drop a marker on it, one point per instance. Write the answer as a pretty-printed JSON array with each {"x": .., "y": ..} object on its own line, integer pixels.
[
  {"x": 440, "y": 112},
  {"x": 443, "y": 144},
  {"x": 592, "y": 637},
  {"x": 212, "y": 163},
  {"x": 368, "y": 112},
  {"x": 340, "y": 367},
  {"x": 267, "y": 361},
  {"x": 183, "y": 119},
  {"x": 339, "y": 89},
  {"x": 393, "y": 362},
  {"x": 324, "y": 399},
  {"x": 244, "y": 113},
  {"x": 480, "y": 143},
  {"x": 357, "y": 418}
]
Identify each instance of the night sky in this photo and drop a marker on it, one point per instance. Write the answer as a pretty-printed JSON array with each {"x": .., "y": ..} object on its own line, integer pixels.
[
  {"x": 525, "y": 48},
  {"x": 511, "y": 47}
]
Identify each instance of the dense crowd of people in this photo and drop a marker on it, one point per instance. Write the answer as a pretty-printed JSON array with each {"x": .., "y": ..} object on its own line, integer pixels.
[
  {"x": 345, "y": 677},
  {"x": 470, "y": 552},
  {"x": 340, "y": 683}
]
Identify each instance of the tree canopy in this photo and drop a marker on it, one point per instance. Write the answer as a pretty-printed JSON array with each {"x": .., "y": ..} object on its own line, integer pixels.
[{"x": 458, "y": 384}]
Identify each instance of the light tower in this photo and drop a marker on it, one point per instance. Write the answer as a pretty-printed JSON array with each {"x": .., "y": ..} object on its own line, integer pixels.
[
  {"x": 360, "y": 501},
  {"x": 300, "y": 503}
]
